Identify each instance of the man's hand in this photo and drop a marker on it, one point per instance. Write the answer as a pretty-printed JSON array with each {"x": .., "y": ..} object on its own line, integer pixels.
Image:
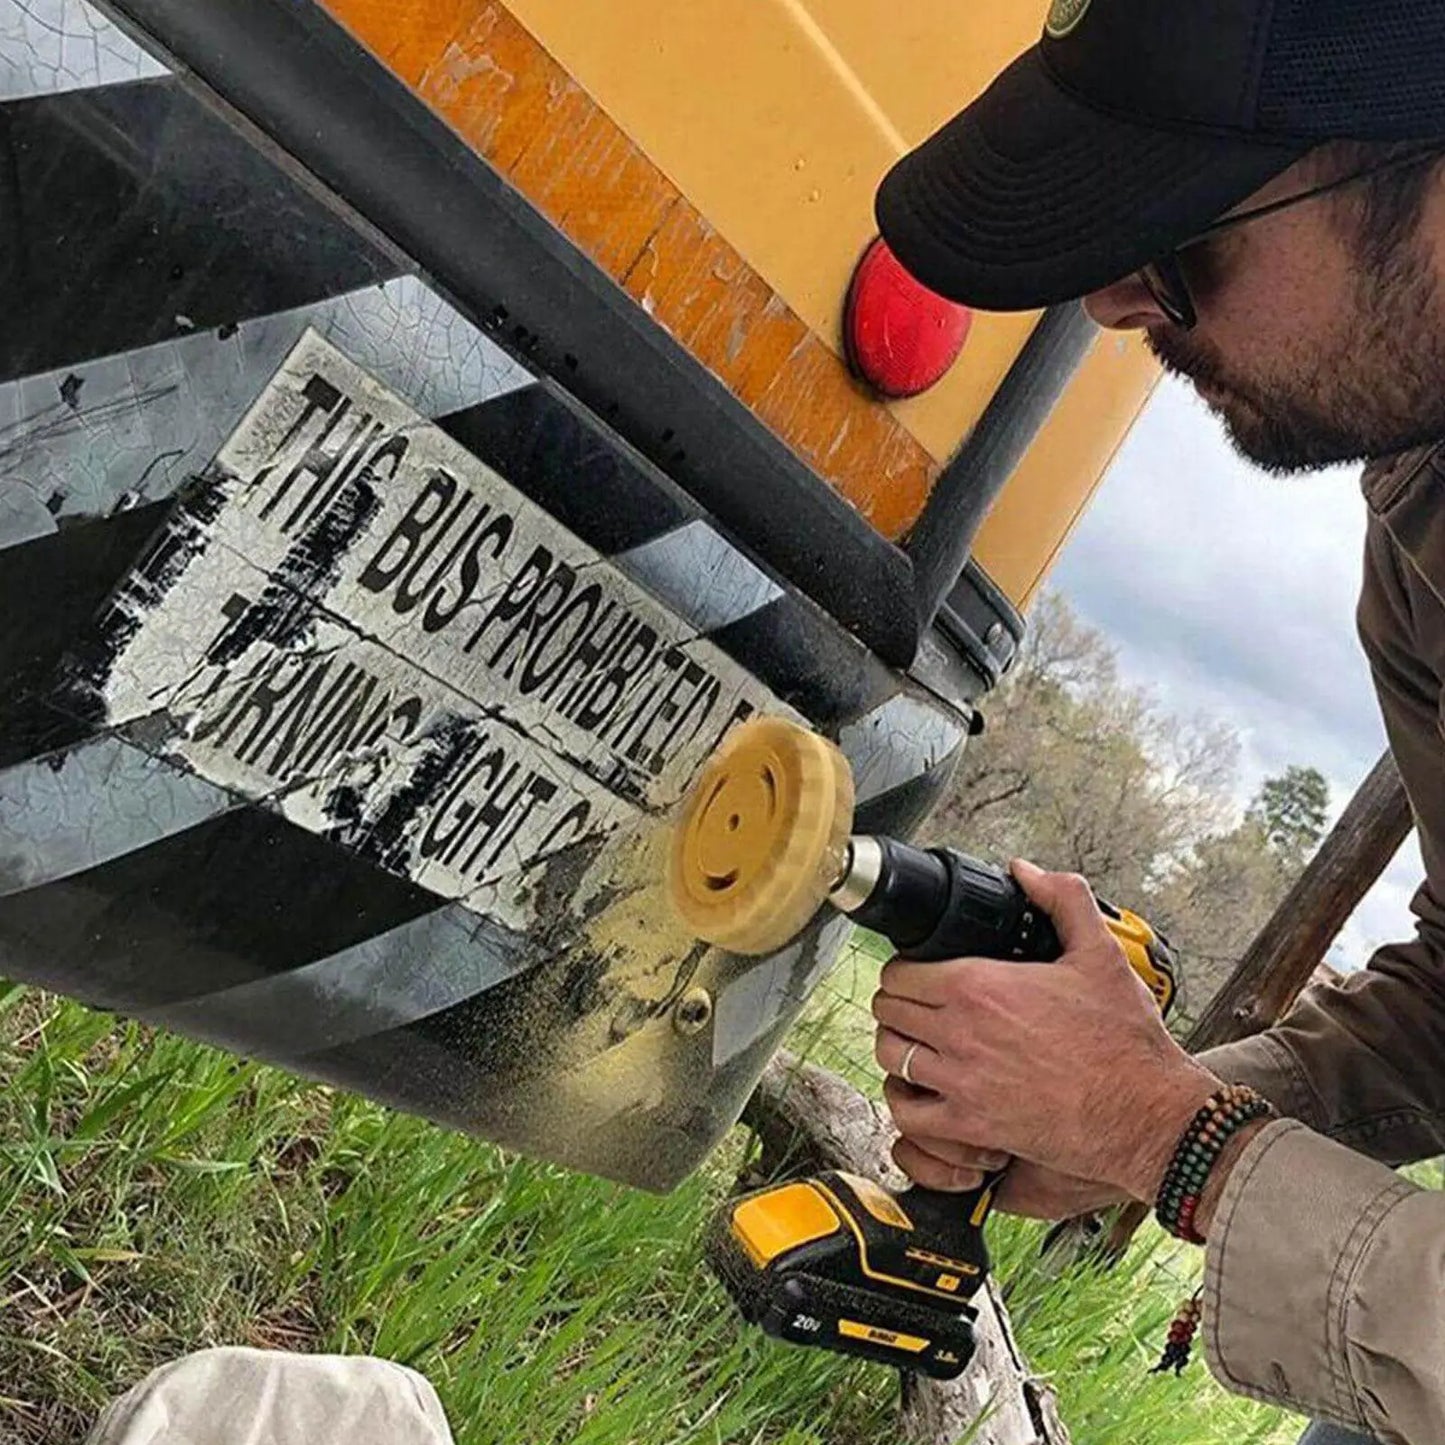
[
  {"x": 1028, "y": 1189},
  {"x": 1067, "y": 1066}
]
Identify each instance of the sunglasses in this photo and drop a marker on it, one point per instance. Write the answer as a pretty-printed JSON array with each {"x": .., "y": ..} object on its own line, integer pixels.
[{"x": 1164, "y": 278}]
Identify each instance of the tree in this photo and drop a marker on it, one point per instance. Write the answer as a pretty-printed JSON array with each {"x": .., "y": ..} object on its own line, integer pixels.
[
  {"x": 1212, "y": 904},
  {"x": 1292, "y": 809},
  {"x": 1219, "y": 898},
  {"x": 1079, "y": 771}
]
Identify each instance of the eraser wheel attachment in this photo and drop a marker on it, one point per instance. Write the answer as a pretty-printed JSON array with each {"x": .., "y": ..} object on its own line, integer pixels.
[{"x": 762, "y": 836}]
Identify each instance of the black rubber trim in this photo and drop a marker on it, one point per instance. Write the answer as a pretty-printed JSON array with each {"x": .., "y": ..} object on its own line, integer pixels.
[
  {"x": 979, "y": 620},
  {"x": 297, "y": 75},
  {"x": 943, "y": 537}
]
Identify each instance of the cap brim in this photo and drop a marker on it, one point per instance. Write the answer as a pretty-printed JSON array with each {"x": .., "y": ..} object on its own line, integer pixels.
[{"x": 1030, "y": 197}]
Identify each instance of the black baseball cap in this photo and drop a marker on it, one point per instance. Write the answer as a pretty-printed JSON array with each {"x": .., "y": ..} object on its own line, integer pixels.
[{"x": 1133, "y": 124}]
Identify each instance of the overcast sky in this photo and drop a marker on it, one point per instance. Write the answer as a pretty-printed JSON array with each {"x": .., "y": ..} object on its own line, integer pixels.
[{"x": 1232, "y": 593}]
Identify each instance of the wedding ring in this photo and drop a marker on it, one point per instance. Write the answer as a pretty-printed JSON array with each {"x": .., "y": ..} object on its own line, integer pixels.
[{"x": 907, "y": 1060}]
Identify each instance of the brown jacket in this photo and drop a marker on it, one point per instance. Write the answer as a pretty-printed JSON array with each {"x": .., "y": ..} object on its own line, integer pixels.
[{"x": 1325, "y": 1271}]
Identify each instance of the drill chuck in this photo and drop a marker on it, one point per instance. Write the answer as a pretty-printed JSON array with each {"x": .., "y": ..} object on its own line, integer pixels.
[
  {"x": 862, "y": 868},
  {"x": 936, "y": 903}
]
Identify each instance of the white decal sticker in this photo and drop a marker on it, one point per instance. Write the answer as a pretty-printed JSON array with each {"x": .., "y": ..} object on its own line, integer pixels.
[{"x": 354, "y": 619}]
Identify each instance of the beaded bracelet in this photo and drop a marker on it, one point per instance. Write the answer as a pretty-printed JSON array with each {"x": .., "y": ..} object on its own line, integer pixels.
[{"x": 1199, "y": 1148}]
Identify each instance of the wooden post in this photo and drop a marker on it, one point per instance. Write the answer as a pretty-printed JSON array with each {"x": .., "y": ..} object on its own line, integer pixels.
[
  {"x": 809, "y": 1120},
  {"x": 1279, "y": 962},
  {"x": 1289, "y": 948}
]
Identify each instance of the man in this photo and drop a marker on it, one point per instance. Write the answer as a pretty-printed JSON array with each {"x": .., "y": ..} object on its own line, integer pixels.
[{"x": 1258, "y": 185}]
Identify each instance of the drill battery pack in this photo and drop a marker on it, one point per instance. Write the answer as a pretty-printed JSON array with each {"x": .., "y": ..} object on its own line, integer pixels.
[{"x": 832, "y": 1261}]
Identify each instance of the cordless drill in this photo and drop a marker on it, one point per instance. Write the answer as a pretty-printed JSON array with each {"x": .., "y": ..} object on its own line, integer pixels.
[{"x": 836, "y": 1261}]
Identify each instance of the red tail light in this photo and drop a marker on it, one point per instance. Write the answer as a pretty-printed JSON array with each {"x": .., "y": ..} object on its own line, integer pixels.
[{"x": 899, "y": 336}]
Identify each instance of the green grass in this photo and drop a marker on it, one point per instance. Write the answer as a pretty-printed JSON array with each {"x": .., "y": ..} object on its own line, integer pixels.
[
  {"x": 1096, "y": 1333},
  {"x": 157, "y": 1196},
  {"x": 835, "y": 1029}
]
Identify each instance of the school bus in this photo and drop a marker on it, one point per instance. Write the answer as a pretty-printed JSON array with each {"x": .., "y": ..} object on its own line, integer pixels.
[{"x": 426, "y": 426}]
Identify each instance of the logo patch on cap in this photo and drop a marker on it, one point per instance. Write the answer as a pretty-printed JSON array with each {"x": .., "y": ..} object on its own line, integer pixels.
[{"x": 1064, "y": 16}]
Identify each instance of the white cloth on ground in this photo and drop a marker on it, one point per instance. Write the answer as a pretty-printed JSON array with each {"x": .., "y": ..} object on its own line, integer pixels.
[{"x": 236, "y": 1396}]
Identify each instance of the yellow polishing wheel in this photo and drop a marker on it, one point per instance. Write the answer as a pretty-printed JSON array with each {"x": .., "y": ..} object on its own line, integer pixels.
[{"x": 762, "y": 836}]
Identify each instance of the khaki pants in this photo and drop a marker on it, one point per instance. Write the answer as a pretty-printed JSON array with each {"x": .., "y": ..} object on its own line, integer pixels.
[{"x": 257, "y": 1397}]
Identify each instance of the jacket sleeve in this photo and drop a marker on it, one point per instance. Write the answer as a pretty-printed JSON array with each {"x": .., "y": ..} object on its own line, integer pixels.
[
  {"x": 1363, "y": 1062},
  {"x": 1324, "y": 1287},
  {"x": 1325, "y": 1271}
]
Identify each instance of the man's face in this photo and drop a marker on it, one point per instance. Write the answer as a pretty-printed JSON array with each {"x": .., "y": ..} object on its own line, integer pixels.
[{"x": 1311, "y": 350}]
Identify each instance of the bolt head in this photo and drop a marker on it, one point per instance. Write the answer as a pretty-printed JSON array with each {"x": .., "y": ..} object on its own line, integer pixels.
[{"x": 693, "y": 1011}]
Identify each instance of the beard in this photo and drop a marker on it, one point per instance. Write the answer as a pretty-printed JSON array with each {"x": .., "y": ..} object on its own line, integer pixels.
[{"x": 1374, "y": 387}]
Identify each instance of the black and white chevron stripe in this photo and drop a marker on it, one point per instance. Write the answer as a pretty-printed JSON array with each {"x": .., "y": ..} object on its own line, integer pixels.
[{"x": 155, "y": 267}]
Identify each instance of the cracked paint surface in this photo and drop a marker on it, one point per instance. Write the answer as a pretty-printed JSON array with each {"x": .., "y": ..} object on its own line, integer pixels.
[
  {"x": 102, "y": 436},
  {"x": 49, "y": 46},
  {"x": 354, "y": 624},
  {"x": 354, "y": 620},
  {"x": 769, "y": 992},
  {"x": 60, "y": 816},
  {"x": 702, "y": 576},
  {"x": 898, "y": 740}
]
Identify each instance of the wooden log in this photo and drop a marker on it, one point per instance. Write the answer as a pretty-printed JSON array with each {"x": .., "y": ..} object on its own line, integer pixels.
[
  {"x": 1288, "y": 949},
  {"x": 809, "y": 1120}
]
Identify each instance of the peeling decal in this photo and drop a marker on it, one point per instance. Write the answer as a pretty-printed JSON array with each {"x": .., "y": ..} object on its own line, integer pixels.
[{"x": 353, "y": 619}]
